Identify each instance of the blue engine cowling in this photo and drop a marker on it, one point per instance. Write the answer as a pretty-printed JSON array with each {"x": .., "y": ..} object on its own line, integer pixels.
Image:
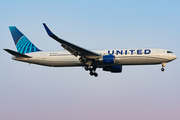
[
  {"x": 108, "y": 59},
  {"x": 113, "y": 69}
]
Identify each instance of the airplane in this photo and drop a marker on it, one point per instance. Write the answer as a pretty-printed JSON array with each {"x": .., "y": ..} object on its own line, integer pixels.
[{"x": 110, "y": 60}]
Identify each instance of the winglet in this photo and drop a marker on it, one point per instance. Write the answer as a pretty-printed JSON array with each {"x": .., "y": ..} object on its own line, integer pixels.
[{"x": 49, "y": 32}]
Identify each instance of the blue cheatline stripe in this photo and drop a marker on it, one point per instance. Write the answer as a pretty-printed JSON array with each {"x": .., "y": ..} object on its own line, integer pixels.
[
  {"x": 25, "y": 46},
  {"x": 24, "y": 41},
  {"x": 22, "y": 48},
  {"x": 35, "y": 49},
  {"x": 26, "y": 49},
  {"x": 30, "y": 47},
  {"x": 20, "y": 45}
]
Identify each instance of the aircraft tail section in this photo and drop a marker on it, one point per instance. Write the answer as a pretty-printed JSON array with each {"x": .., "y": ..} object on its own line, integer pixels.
[{"x": 23, "y": 44}]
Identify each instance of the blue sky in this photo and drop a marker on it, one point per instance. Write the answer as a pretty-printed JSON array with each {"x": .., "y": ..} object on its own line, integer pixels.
[{"x": 138, "y": 93}]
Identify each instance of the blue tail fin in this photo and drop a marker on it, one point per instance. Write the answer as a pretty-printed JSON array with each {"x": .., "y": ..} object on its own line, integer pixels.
[{"x": 22, "y": 43}]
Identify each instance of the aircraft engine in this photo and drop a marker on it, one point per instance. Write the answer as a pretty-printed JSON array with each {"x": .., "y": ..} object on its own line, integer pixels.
[
  {"x": 113, "y": 69},
  {"x": 107, "y": 59}
]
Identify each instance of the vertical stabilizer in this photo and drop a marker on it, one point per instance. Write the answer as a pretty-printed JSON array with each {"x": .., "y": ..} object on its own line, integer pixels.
[{"x": 22, "y": 43}]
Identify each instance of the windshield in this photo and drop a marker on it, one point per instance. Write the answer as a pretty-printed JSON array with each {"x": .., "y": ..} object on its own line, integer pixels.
[{"x": 169, "y": 52}]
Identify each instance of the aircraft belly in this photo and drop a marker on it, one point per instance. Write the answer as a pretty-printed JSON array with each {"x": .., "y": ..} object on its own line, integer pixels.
[
  {"x": 66, "y": 63},
  {"x": 54, "y": 62}
]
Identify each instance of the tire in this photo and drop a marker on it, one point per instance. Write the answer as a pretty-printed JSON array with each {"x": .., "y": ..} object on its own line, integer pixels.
[
  {"x": 86, "y": 68},
  {"x": 95, "y": 74},
  {"x": 91, "y": 73}
]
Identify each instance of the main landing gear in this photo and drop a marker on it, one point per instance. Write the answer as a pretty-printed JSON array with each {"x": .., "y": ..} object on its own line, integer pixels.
[
  {"x": 92, "y": 70},
  {"x": 163, "y": 65},
  {"x": 87, "y": 67}
]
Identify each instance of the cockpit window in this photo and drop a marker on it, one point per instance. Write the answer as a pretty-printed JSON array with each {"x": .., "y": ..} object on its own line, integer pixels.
[{"x": 169, "y": 52}]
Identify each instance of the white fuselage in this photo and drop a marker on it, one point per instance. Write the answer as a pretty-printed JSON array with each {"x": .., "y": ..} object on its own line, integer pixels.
[{"x": 122, "y": 57}]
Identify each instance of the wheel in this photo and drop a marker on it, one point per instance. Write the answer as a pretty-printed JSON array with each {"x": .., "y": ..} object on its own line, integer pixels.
[
  {"x": 91, "y": 73},
  {"x": 95, "y": 74},
  {"x": 162, "y": 69},
  {"x": 90, "y": 69},
  {"x": 86, "y": 68}
]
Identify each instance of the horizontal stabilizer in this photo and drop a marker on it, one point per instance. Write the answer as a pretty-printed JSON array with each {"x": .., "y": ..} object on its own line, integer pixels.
[{"x": 16, "y": 53}]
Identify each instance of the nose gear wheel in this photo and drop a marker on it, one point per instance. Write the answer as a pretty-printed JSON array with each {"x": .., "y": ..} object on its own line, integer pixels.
[{"x": 163, "y": 65}]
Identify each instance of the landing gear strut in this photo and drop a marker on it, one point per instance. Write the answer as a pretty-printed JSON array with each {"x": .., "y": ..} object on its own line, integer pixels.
[
  {"x": 88, "y": 66},
  {"x": 163, "y": 65}
]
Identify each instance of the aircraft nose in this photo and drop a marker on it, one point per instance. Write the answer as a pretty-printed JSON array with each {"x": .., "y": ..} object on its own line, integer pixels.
[{"x": 174, "y": 57}]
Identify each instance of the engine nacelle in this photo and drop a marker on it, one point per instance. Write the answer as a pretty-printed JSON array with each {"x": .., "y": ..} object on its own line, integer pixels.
[
  {"x": 107, "y": 59},
  {"x": 113, "y": 69}
]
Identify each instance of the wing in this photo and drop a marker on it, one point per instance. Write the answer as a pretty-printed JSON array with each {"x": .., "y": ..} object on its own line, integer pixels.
[{"x": 73, "y": 49}]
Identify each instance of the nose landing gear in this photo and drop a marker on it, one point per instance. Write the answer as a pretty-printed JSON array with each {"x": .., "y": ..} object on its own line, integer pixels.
[{"x": 163, "y": 65}]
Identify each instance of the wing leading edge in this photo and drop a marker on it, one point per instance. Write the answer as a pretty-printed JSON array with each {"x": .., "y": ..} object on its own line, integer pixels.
[{"x": 73, "y": 49}]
